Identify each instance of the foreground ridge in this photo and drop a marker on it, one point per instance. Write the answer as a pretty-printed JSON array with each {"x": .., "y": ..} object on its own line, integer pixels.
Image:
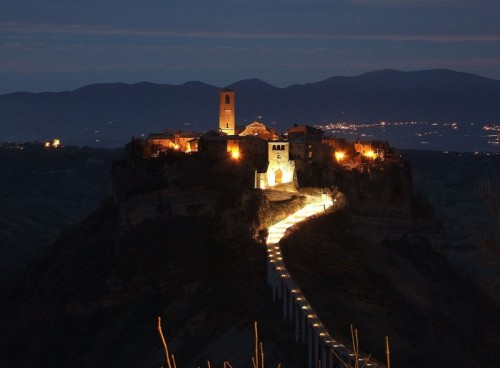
[{"x": 324, "y": 351}]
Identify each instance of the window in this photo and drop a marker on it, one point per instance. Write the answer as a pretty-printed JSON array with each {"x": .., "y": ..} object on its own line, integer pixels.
[
  {"x": 274, "y": 147},
  {"x": 228, "y": 100},
  {"x": 283, "y": 147}
]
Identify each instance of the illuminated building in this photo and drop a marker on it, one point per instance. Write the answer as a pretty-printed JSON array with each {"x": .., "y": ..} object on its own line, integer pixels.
[
  {"x": 257, "y": 129},
  {"x": 280, "y": 169},
  {"x": 173, "y": 140},
  {"x": 226, "y": 112},
  {"x": 371, "y": 149}
]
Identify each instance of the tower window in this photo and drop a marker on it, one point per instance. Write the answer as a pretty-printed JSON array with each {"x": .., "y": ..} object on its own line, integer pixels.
[
  {"x": 274, "y": 147},
  {"x": 228, "y": 100},
  {"x": 283, "y": 147}
]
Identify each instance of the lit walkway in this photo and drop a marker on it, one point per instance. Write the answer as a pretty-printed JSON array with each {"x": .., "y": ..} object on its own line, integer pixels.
[
  {"x": 277, "y": 231},
  {"x": 296, "y": 308}
]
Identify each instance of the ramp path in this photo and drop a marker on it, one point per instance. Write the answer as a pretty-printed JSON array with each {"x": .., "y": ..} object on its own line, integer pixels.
[{"x": 324, "y": 351}]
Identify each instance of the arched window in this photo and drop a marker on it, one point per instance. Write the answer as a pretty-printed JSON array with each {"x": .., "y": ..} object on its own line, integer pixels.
[
  {"x": 282, "y": 147},
  {"x": 274, "y": 147},
  {"x": 228, "y": 100}
]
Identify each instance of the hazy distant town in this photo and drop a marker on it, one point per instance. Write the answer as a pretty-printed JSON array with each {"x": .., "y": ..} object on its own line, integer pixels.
[{"x": 423, "y": 134}]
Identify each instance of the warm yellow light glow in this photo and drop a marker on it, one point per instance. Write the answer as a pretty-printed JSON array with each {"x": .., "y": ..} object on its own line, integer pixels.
[
  {"x": 339, "y": 156},
  {"x": 54, "y": 144},
  {"x": 370, "y": 154},
  {"x": 235, "y": 154}
]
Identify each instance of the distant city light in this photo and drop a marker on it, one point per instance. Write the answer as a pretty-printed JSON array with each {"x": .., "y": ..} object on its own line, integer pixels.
[{"x": 383, "y": 129}]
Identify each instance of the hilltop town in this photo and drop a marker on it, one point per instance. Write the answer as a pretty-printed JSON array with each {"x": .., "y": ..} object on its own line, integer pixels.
[{"x": 272, "y": 154}]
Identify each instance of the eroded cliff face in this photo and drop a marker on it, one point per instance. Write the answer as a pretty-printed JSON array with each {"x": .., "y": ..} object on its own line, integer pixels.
[
  {"x": 387, "y": 181},
  {"x": 158, "y": 189},
  {"x": 378, "y": 195}
]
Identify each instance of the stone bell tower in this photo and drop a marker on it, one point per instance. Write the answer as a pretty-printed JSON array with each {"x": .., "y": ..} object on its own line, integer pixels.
[{"x": 226, "y": 112}]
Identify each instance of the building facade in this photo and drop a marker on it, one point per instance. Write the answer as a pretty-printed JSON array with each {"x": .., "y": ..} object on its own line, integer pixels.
[
  {"x": 226, "y": 112},
  {"x": 280, "y": 168}
]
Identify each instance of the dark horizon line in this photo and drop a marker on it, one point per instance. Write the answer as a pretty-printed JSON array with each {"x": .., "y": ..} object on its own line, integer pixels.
[{"x": 387, "y": 70}]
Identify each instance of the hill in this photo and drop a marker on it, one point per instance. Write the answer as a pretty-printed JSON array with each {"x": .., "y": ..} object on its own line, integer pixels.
[
  {"x": 112, "y": 113},
  {"x": 94, "y": 298}
]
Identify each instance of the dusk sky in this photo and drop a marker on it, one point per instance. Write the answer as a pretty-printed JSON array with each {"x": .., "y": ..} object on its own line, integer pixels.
[{"x": 65, "y": 44}]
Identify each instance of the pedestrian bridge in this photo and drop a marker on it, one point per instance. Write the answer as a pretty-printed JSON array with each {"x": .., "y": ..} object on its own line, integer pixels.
[{"x": 324, "y": 351}]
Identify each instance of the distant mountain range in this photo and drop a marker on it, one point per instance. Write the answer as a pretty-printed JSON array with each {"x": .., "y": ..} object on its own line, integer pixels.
[{"x": 111, "y": 114}]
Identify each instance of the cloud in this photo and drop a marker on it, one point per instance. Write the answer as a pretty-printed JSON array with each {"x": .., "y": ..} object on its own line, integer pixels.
[{"x": 81, "y": 29}]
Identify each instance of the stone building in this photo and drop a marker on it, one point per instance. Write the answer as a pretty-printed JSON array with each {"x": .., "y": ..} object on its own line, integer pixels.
[
  {"x": 372, "y": 149},
  {"x": 226, "y": 112},
  {"x": 173, "y": 140},
  {"x": 259, "y": 130},
  {"x": 306, "y": 143},
  {"x": 280, "y": 169}
]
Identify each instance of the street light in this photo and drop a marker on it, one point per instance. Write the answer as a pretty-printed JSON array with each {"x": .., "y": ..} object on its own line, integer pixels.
[{"x": 339, "y": 156}]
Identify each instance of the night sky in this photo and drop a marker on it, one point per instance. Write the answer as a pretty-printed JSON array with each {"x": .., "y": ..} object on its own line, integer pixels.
[{"x": 65, "y": 44}]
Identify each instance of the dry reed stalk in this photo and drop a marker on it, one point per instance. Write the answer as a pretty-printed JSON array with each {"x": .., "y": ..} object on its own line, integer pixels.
[
  {"x": 355, "y": 345},
  {"x": 261, "y": 355},
  {"x": 256, "y": 344},
  {"x": 253, "y": 362},
  {"x": 164, "y": 342},
  {"x": 387, "y": 352},
  {"x": 208, "y": 363},
  {"x": 173, "y": 361}
]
